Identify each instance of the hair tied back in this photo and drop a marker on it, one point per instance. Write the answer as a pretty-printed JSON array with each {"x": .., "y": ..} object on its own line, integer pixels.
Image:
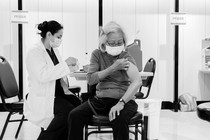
[{"x": 43, "y": 26}]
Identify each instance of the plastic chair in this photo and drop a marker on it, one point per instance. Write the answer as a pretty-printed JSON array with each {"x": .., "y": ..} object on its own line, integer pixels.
[
  {"x": 134, "y": 50},
  {"x": 9, "y": 89},
  {"x": 147, "y": 83}
]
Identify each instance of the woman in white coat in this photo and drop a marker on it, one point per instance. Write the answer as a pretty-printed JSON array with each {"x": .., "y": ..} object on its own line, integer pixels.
[{"x": 47, "y": 104}]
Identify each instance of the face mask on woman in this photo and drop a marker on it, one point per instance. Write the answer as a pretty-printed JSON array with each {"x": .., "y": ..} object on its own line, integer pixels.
[
  {"x": 114, "y": 51},
  {"x": 56, "y": 43}
]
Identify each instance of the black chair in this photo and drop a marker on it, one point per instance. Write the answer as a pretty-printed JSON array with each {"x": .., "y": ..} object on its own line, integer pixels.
[
  {"x": 134, "y": 50},
  {"x": 75, "y": 89},
  {"x": 147, "y": 83},
  {"x": 91, "y": 92},
  {"x": 99, "y": 124},
  {"x": 9, "y": 89}
]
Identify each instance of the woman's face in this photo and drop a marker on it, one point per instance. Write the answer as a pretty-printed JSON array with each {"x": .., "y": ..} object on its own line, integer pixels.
[
  {"x": 56, "y": 39},
  {"x": 58, "y": 35},
  {"x": 115, "y": 39}
]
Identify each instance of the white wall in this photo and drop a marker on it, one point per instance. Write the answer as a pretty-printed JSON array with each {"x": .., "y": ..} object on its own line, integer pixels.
[
  {"x": 152, "y": 20},
  {"x": 191, "y": 35}
]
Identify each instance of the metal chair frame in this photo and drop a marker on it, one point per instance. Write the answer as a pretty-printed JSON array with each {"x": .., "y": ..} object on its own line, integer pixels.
[
  {"x": 102, "y": 127},
  {"x": 8, "y": 89},
  {"x": 149, "y": 67}
]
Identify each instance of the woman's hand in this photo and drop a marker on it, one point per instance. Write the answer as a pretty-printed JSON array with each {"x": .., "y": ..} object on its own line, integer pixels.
[
  {"x": 71, "y": 61},
  {"x": 121, "y": 64},
  {"x": 115, "y": 110}
]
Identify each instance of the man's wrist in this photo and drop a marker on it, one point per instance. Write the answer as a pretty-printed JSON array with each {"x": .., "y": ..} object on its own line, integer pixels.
[
  {"x": 122, "y": 101},
  {"x": 111, "y": 69}
]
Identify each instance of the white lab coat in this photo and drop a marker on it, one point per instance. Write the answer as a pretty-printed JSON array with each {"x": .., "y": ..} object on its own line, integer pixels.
[{"x": 42, "y": 75}]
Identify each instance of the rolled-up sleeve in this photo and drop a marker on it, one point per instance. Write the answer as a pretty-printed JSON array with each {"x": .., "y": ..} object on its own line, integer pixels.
[
  {"x": 92, "y": 75},
  {"x": 130, "y": 58}
]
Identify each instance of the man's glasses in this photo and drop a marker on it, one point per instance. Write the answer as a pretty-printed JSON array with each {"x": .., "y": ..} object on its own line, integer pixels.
[{"x": 113, "y": 43}]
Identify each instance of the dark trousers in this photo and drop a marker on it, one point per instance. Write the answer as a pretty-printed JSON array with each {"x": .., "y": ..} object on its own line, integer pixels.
[
  {"x": 58, "y": 128},
  {"x": 82, "y": 114}
]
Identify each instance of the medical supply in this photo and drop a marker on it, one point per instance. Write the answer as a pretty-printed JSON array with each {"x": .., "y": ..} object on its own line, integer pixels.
[{"x": 206, "y": 54}]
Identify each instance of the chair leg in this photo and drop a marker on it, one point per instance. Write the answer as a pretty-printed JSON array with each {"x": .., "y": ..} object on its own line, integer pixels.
[
  {"x": 136, "y": 131},
  {"x": 86, "y": 132},
  {"x": 144, "y": 128},
  {"x": 21, "y": 122},
  {"x": 5, "y": 125}
]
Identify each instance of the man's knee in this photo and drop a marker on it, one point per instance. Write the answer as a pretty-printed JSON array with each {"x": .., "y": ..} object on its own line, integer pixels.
[
  {"x": 121, "y": 119},
  {"x": 73, "y": 114}
]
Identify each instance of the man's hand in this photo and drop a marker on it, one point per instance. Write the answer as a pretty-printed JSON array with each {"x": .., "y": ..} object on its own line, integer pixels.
[
  {"x": 121, "y": 64},
  {"x": 115, "y": 110}
]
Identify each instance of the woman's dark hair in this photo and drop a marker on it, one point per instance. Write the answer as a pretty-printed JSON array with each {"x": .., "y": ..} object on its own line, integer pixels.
[{"x": 49, "y": 26}]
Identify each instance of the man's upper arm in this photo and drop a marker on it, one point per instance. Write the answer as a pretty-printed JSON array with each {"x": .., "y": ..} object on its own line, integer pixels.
[
  {"x": 133, "y": 72},
  {"x": 92, "y": 75}
]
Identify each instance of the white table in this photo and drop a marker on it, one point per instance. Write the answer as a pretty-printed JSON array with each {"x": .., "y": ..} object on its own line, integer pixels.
[
  {"x": 82, "y": 75},
  {"x": 207, "y": 71}
]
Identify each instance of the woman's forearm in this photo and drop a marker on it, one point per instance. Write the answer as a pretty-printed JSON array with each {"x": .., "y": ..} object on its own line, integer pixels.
[{"x": 131, "y": 91}]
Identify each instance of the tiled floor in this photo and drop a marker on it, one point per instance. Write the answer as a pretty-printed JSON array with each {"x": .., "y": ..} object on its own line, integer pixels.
[{"x": 172, "y": 126}]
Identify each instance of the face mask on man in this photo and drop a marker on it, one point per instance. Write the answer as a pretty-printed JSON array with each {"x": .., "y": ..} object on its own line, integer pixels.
[
  {"x": 114, "y": 51},
  {"x": 56, "y": 43}
]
